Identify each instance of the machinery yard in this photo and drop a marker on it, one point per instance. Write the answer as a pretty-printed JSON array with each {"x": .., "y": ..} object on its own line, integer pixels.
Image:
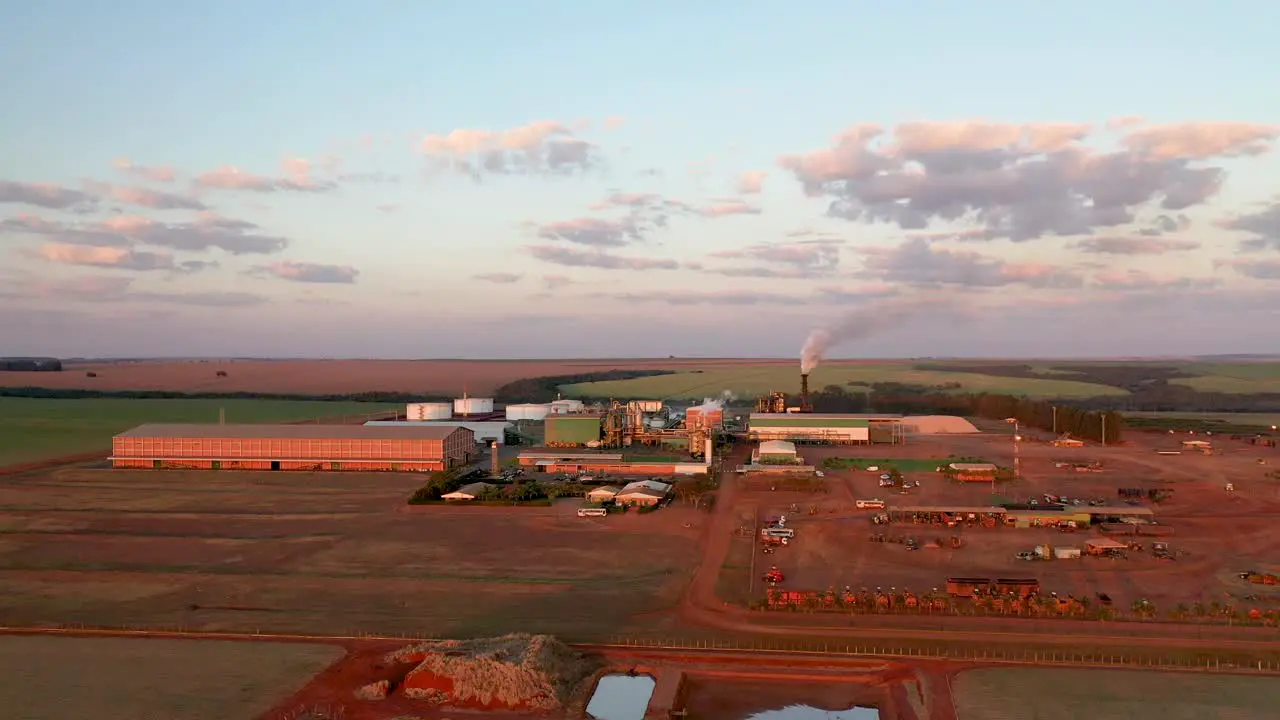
[{"x": 1216, "y": 534}]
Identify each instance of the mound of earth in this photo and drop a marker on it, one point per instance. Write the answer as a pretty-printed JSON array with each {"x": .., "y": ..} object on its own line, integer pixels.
[
  {"x": 512, "y": 672},
  {"x": 937, "y": 425}
]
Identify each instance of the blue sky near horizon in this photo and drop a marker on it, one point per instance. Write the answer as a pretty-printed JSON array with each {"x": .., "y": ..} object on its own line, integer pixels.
[{"x": 675, "y": 102}]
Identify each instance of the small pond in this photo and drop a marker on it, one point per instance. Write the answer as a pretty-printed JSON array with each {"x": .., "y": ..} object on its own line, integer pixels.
[
  {"x": 804, "y": 712},
  {"x": 621, "y": 697}
]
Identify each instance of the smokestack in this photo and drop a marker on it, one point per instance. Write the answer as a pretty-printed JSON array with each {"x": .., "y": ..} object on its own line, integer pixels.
[
  {"x": 804, "y": 392},
  {"x": 495, "y": 469}
]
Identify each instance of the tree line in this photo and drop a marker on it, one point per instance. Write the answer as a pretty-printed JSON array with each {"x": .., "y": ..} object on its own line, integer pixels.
[
  {"x": 42, "y": 393},
  {"x": 896, "y": 398}
]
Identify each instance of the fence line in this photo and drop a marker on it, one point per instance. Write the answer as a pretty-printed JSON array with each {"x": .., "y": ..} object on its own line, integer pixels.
[
  {"x": 1189, "y": 660},
  {"x": 1202, "y": 661}
]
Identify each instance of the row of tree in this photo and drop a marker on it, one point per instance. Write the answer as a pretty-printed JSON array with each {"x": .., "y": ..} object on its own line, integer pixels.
[{"x": 917, "y": 400}]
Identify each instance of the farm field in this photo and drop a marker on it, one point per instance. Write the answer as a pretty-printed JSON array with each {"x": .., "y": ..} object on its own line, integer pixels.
[
  {"x": 1259, "y": 420},
  {"x": 332, "y": 554},
  {"x": 1041, "y": 378},
  {"x": 1220, "y": 533},
  {"x": 317, "y": 377},
  {"x": 54, "y": 678},
  {"x": 1057, "y": 694},
  {"x": 34, "y": 429},
  {"x": 751, "y": 381}
]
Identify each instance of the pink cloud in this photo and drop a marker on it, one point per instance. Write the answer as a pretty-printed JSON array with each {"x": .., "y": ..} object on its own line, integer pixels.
[
  {"x": 105, "y": 256},
  {"x": 144, "y": 197},
  {"x": 614, "y": 122},
  {"x": 1201, "y": 140},
  {"x": 542, "y": 146},
  {"x": 304, "y": 272},
  {"x": 751, "y": 182},
  {"x": 157, "y": 173},
  {"x": 229, "y": 177},
  {"x": 1018, "y": 181}
]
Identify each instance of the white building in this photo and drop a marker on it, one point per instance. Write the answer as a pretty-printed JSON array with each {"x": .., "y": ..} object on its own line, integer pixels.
[
  {"x": 429, "y": 411},
  {"x": 775, "y": 451},
  {"x": 603, "y": 494},
  {"x": 467, "y": 492},
  {"x": 642, "y": 492},
  {"x": 528, "y": 411},
  {"x": 488, "y": 431},
  {"x": 464, "y": 406},
  {"x": 566, "y": 407}
]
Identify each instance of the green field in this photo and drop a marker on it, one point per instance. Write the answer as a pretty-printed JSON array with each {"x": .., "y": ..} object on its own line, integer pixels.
[
  {"x": 887, "y": 464},
  {"x": 1259, "y": 421},
  {"x": 1050, "y": 694},
  {"x": 752, "y": 381},
  {"x": 1038, "y": 379},
  {"x": 53, "y": 678},
  {"x": 38, "y": 429}
]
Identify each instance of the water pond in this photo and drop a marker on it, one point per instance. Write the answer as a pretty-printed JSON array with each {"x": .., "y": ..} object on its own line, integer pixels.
[
  {"x": 805, "y": 712},
  {"x": 622, "y": 697}
]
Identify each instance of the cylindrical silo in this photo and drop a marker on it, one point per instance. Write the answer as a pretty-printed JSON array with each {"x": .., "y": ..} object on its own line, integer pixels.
[
  {"x": 472, "y": 406},
  {"x": 528, "y": 411},
  {"x": 429, "y": 411},
  {"x": 561, "y": 407}
]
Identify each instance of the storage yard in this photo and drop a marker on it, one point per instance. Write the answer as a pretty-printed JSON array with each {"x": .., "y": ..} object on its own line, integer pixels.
[{"x": 1183, "y": 554}]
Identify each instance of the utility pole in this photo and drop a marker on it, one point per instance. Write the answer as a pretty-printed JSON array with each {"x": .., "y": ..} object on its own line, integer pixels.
[
  {"x": 1055, "y": 421},
  {"x": 1104, "y": 429}
]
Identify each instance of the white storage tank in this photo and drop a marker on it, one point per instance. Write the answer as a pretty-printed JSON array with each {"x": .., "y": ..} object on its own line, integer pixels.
[
  {"x": 561, "y": 407},
  {"x": 528, "y": 411},
  {"x": 429, "y": 411},
  {"x": 472, "y": 406}
]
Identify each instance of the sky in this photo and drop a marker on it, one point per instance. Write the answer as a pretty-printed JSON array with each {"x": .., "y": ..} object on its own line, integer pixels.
[{"x": 573, "y": 179}]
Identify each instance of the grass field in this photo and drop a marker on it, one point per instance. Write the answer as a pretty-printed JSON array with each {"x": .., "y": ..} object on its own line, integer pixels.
[
  {"x": 1051, "y": 694},
  {"x": 55, "y": 678},
  {"x": 751, "y": 381},
  {"x": 325, "y": 553},
  {"x": 38, "y": 429},
  {"x": 1257, "y": 420},
  {"x": 1054, "y": 381}
]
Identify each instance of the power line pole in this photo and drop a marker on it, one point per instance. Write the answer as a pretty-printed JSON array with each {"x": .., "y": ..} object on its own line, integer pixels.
[
  {"x": 1104, "y": 429},
  {"x": 1055, "y": 421}
]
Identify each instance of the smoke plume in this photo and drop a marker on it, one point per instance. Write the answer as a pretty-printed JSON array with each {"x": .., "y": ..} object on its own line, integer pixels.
[{"x": 860, "y": 324}]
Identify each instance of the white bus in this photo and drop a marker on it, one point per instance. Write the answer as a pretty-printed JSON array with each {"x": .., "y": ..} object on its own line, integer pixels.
[
  {"x": 592, "y": 512},
  {"x": 778, "y": 532},
  {"x": 869, "y": 504}
]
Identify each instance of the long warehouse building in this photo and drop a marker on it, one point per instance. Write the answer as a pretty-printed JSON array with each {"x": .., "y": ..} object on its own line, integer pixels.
[
  {"x": 826, "y": 428},
  {"x": 293, "y": 447}
]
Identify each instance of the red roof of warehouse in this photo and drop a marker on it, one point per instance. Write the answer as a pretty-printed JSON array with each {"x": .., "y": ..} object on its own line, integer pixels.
[{"x": 307, "y": 432}]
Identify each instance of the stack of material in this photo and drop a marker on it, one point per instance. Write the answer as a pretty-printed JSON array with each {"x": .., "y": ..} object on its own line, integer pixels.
[{"x": 516, "y": 672}]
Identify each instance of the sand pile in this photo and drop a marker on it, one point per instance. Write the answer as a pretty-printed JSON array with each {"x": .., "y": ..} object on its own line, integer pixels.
[
  {"x": 937, "y": 425},
  {"x": 520, "y": 671}
]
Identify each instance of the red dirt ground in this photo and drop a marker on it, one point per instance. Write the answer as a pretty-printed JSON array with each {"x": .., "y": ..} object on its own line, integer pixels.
[{"x": 336, "y": 376}]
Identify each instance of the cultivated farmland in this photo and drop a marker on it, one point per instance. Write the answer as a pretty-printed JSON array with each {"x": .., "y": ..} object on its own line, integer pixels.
[
  {"x": 751, "y": 381},
  {"x": 34, "y": 429},
  {"x": 1052, "y": 694},
  {"x": 322, "y": 377},
  {"x": 54, "y": 678},
  {"x": 1042, "y": 379},
  {"x": 324, "y": 554}
]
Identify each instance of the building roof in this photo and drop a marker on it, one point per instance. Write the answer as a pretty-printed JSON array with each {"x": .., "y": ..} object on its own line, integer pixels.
[
  {"x": 470, "y": 424},
  {"x": 552, "y": 454},
  {"x": 1119, "y": 511},
  {"x": 829, "y": 416},
  {"x": 1105, "y": 543},
  {"x": 651, "y": 488},
  {"x": 777, "y": 447},
  {"x": 472, "y": 489},
  {"x": 418, "y": 431},
  {"x": 974, "y": 467},
  {"x": 604, "y": 488},
  {"x": 948, "y": 509},
  {"x": 565, "y": 417}
]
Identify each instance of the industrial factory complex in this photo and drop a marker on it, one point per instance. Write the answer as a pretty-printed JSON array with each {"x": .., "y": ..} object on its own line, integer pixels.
[{"x": 637, "y": 437}]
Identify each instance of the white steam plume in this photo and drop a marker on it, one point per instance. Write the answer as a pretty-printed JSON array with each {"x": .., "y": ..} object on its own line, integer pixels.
[{"x": 861, "y": 324}]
